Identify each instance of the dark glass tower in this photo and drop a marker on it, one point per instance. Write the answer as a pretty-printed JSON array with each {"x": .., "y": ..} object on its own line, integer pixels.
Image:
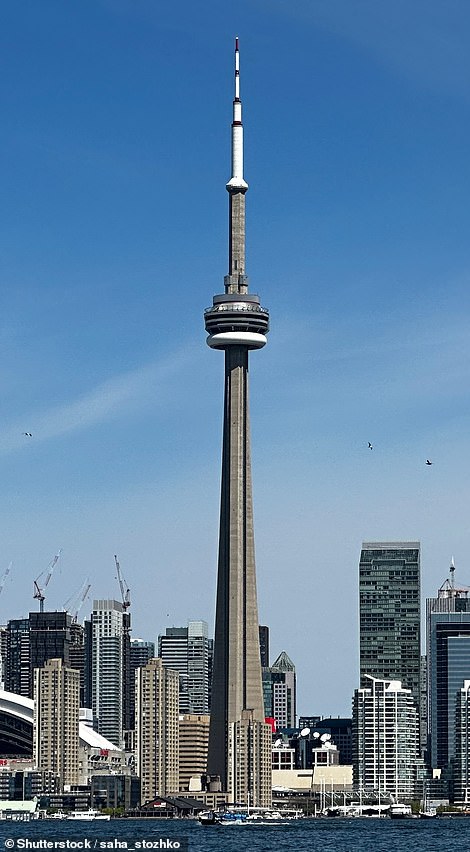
[
  {"x": 389, "y": 613},
  {"x": 448, "y": 661},
  {"x": 239, "y": 739}
]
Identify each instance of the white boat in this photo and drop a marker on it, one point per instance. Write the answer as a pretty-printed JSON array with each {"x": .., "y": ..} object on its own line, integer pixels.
[
  {"x": 208, "y": 817},
  {"x": 427, "y": 812},
  {"x": 225, "y": 816},
  {"x": 400, "y": 811},
  {"x": 90, "y": 814}
]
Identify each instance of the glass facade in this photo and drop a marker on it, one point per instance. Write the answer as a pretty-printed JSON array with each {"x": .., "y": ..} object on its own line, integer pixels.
[
  {"x": 448, "y": 667},
  {"x": 389, "y": 613},
  {"x": 187, "y": 650}
]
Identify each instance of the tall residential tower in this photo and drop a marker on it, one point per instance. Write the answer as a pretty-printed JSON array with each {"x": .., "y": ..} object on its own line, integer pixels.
[
  {"x": 239, "y": 739},
  {"x": 389, "y": 613}
]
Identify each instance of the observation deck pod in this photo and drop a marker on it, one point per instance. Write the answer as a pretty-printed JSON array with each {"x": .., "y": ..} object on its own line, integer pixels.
[{"x": 236, "y": 320}]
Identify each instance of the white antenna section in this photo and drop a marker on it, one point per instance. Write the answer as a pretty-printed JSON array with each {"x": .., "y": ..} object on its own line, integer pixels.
[{"x": 237, "y": 181}]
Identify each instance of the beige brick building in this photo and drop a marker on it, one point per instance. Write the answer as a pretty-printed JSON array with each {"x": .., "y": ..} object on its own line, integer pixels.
[
  {"x": 156, "y": 729},
  {"x": 194, "y": 741},
  {"x": 55, "y": 720}
]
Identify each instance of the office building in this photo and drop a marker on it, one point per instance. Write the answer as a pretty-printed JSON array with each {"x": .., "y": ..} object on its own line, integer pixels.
[
  {"x": 157, "y": 731},
  {"x": 55, "y": 721},
  {"x": 264, "y": 646},
  {"x": 50, "y": 637},
  {"x": 186, "y": 650},
  {"x": 30, "y": 642},
  {"x": 448, "y": 665},
  {"x": 114, "y": 791},
  {"x": 389, "y": 613},
  {"x": 239, "y": 738},
  {"x": 385, "y": 739},
  {"x": 17, "y": 665},
  {"x": 279, "y": 691}
]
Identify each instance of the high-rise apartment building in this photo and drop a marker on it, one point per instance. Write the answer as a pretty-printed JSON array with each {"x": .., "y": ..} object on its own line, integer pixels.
[
  {"x": 239, "y": 738},
  {"x": 141, "y": 652},
  {"x": 389, "y": 613},
  {"x": 157, "y": 731},
  {"x": 385, "y": 731},
  {"x": 193, "y": 744},
  {"x": 55, "y": 720},
  {"x": 111, "y": 669},
  {"x": 448, "y": 665},
  {"x": 279, "y": 690},
  {"x": 186, "y": 650}
]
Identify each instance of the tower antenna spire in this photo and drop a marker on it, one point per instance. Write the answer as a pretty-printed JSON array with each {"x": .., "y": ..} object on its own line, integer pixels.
[{"x": 237, "y": 183}]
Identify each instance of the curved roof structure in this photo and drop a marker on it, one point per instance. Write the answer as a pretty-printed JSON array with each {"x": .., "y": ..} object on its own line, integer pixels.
[{"x": 16, "y": 727}]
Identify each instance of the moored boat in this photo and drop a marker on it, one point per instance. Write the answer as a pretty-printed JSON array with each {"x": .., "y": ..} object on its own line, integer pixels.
[
  {"x": 428, "y": 813},
  {"x": 90, "y": 814},
  {"x": 400, "y": 811}
]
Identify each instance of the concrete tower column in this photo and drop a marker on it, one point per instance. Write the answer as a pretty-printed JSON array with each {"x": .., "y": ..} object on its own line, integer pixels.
[{"x": 239, "y": 739}]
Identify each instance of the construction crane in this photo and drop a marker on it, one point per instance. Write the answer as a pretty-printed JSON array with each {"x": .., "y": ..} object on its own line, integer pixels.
[
  {"x": 81, "y": 602},
  {"x": 74, "y": 603},
  {"x": 5, "y": 575},
  {"x": 39, "y": 590},
  {"x": 125, "y": 592}
]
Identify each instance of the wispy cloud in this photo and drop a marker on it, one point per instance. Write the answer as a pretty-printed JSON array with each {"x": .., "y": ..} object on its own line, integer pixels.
[
  {"x": 127, "y": 392},
  {"x": 423, "y": 41}
]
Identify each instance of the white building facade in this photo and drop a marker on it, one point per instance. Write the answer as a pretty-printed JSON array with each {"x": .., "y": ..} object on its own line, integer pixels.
[
  {"x": 110, "y": 659},
  {"x": 385, "y": 739}
]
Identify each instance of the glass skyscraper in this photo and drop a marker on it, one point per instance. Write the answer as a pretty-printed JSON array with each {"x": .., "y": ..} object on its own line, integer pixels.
[
  {"x": 186, "y": 649},
  {"x": 448, "y": 667},
  {"x": 389, "y": 613}
]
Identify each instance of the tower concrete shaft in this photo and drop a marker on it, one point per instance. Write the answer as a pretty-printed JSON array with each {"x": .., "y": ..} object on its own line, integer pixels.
[{"x": 239, "y": 739}]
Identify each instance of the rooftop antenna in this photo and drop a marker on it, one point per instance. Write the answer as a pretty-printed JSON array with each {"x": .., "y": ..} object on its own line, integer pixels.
[{"x": 452, "y": 572}]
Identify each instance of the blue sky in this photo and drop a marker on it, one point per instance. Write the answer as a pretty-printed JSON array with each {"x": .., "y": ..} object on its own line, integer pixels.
[{"x": 115, "y": 153}]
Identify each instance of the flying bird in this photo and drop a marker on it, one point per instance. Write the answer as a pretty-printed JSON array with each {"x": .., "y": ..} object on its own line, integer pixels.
[
  {"x": 428, "y": 462},
  {"x": 28, "y": 434},
  {"x": 370, "y": 445}
]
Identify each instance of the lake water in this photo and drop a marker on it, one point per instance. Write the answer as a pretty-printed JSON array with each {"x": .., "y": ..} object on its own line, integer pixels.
[{"x": 324, "y": 835}]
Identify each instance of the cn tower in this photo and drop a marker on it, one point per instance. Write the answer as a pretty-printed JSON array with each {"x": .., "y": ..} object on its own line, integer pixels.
[{"x": 239, "y": 738}]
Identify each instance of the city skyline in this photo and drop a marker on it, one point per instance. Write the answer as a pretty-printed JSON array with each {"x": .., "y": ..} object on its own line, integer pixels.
[{"x": 357, "y": 241}]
